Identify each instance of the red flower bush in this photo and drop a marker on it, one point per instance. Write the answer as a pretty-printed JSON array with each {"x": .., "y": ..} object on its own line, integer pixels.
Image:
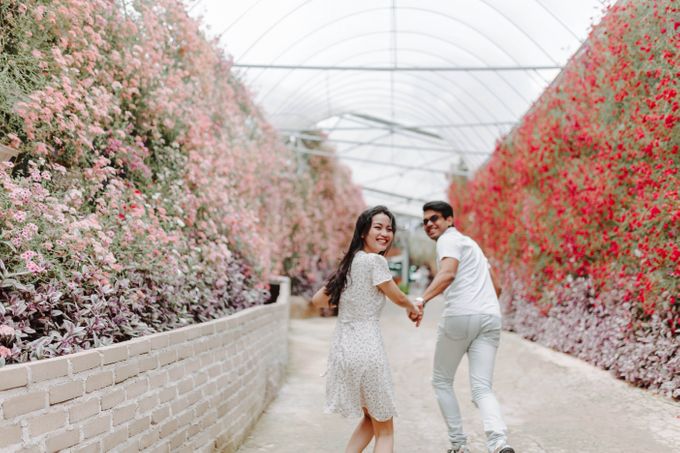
[
  {"x": 149, "y": 192},
  {"x": 585, "y": 189}
]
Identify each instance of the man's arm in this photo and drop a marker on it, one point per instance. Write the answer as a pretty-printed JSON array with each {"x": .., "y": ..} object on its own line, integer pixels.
[
  {"x": 496, "y": 282},
  {"x": 448, "y": 267}
]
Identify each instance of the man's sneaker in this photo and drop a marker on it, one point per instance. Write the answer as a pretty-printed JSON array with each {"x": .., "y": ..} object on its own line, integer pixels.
[
  {"x": 461, "y": 449},
  {"x": 505, "y": 448}
]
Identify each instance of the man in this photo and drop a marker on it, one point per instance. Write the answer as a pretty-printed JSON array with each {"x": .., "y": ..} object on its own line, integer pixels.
[{"x": 471, "y": 323}]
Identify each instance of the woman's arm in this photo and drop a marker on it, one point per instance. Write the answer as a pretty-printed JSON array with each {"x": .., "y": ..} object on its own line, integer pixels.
[
  {"x": 321, "y": 299},
  {"x": 393, "y": 293}
]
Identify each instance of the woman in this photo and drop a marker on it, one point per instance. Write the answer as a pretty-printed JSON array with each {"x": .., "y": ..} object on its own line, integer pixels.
[{"x": 359, "y": 381}]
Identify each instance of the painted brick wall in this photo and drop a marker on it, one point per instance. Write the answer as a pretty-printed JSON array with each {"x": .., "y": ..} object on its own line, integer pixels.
[{"x": 199, "y": 388}]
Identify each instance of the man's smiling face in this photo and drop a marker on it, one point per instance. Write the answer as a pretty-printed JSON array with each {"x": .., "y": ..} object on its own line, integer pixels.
[{"x": 435, "y": 224}]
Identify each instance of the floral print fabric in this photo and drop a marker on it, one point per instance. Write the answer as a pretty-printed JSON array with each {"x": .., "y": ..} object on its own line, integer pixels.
[{"x": 358, "y": 372}]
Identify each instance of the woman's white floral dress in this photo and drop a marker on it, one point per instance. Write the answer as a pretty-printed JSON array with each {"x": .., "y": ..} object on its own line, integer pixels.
[{"x": 358, "y": 373}]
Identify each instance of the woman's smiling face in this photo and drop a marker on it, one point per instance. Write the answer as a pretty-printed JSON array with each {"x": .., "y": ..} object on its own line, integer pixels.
[{"x": 379, "y": 235}]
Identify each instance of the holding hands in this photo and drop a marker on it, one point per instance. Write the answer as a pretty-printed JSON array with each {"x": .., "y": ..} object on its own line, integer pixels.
[{"x": 415, "y": 310}]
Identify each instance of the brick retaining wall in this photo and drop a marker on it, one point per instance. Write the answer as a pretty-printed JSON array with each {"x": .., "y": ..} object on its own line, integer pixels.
[{"x": 198, "y": 388}]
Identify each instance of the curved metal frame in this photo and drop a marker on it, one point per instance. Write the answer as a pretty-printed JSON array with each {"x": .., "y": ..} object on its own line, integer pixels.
[
  {"x": 275, "y": 86},
  {"x": 392, "y": 8},
  {"x": 311, "y": 106},
  {"x": 306, "y": 84},
  {"x": 423, "y": 83},
  {"x": 403, "y": 32},
  {"x": 382, "y": 103},
  {"x": 314, "y": 152},
  {"x": 376, "y": 144},
  {"x": 387, "y": 94}
]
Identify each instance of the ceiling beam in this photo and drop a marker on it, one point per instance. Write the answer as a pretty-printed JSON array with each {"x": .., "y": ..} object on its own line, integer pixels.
[
  {"x": 423, "y": 126},
  {"x": 395, "y": 195},
  {"x": 398, "y": 68},
  {"x": 378, "y": 162},
  {"x": 362, "y": 118},
  {"x": 313, "y": 138}
]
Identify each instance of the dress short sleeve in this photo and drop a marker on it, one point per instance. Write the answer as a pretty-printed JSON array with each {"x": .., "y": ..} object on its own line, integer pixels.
[{"x": 380, "y": 271}]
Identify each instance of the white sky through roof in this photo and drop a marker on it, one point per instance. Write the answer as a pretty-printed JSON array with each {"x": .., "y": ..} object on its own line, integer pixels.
[{"x": 457, "y": 88}]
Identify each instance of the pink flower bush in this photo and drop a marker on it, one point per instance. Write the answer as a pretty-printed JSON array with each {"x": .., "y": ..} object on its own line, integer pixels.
[
  {"x": 580, "y": 202},
  {"x": 149, "y": 191},
  {"x": 7, "y": 335},
  {"x": 6, "y": 331}
]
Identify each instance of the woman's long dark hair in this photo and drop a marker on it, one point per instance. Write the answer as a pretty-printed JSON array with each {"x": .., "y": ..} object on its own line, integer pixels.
[{"x": 338, "y": 280}]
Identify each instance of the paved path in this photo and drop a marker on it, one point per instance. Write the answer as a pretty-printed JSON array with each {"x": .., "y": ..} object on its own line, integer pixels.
[{"x": 551, "y": 402}]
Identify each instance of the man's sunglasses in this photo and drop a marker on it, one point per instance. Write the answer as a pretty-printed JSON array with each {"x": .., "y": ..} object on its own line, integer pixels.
[{"x": 433, "y": 218}]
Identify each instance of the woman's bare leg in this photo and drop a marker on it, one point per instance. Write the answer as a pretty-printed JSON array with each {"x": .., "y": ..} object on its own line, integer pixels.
[
  {"x": 361, "y": 436},
  {"x": 384, "y": 436}
]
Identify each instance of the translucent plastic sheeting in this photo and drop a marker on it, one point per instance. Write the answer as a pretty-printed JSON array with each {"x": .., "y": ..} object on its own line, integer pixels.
[{"x": 409, "y": 92}]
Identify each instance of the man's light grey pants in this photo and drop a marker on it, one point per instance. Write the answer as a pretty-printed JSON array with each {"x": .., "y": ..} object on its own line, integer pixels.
[{"x": 478, "y": 336}]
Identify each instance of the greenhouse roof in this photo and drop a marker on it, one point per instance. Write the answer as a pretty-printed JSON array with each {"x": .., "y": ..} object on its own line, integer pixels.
[{"x": 409, "y": 92}]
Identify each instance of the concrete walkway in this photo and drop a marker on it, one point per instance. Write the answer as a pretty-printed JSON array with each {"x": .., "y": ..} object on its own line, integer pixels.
[{"x": 552, "y": 402}]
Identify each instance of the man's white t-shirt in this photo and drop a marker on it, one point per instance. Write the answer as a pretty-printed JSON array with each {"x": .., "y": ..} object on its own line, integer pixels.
[{"x": 472, "y": 291}]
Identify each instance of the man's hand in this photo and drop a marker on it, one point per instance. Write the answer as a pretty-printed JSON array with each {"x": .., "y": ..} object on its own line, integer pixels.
[{"x": 417, "y": 315}]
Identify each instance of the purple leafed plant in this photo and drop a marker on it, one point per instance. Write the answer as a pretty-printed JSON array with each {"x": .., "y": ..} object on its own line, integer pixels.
[
  {"x": 56, "y": 318},
  {"x": 602, "y": 331}
]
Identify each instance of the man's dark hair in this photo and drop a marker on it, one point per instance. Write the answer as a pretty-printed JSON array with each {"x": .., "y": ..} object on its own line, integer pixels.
[{"x": 441, "y": 207}]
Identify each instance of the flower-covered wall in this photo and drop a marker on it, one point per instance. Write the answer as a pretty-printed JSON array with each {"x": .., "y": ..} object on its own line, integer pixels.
[
  {"x": 148, "y": 191},
  {"x": 580, "y": 206}
]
